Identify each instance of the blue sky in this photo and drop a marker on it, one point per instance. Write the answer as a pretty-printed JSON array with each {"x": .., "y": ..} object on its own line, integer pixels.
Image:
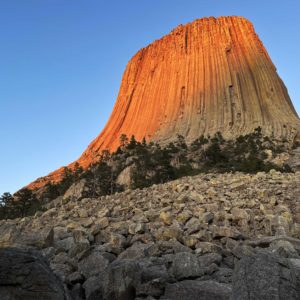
[{"x": 61, "y": 63}]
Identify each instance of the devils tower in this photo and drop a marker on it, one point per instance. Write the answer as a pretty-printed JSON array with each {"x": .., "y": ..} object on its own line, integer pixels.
[{"x": 213, "y": 74}]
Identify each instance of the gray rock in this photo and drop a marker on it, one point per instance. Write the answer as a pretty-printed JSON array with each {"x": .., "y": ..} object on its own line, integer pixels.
[
  {"x": 173, "y": 246},
  {"x": 136, "y": 228},
  {"x": 226, "y": 231},
  {"x": 80, "y": 235},
  {"x": 242, "y": 250},
  {"x": 78, "y": 248},
  {"x": 93, "y": 264},
  {"x": 207, "y": 247},
  {"x": 102, "y": 223},
  {"x": 295, "y": 262},
  {"x": 200, "y": 290},
  {"x": 93, "y": 288},
  {"x": 62, "y": 271},
  {"x": 65, "y": 244},
  {"x": 77, "y": 292},
  {"x": 12, "y": 236},
  {"x": 207, "y": 217},
  {"x": 48, "y": 253},
  {"x": 75, "y": 277},
  {"x": 265, "y": 276},
  {"x": 280, "y": 225},
  {"x": 60, "y": 233},
  {"x": 44, "y": 238},
  {"x": 153, "y": 288},
  {"x": 239, "y": 214},
  {"x": 8, "y": 234},
  {"x": 266, "y": 241},
  {"x": 82, "y": 213},
  {"x": 135, "y": 251},
  {"x": 223, "y": 275},
  {"x": 208, "y": 259},
  {"x": 284, "y": 248},
  {"x": 76, "y": 191},
  {"x": 121, "y": 280},
  {"x": 154, "y": 276},
  {"x": 117, "y": 243},
  {"x": 25, "y": 275},
  {"x": 186, "y": 265}
]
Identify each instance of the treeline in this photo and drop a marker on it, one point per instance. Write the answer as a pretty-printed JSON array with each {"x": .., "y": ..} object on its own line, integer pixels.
[
  {"x": 21, "y": 204},
  {"x": 150, "y": 163}
]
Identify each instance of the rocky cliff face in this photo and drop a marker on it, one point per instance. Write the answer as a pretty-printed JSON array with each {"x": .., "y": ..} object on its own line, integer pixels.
[{"x": 210, "y": 75}]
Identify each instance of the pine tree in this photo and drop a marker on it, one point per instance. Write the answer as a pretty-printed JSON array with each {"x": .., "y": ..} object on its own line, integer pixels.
[
  {"x": 68, "y": 179},
  {"x": 132, "y": 143},
  {"x": 180, "y": 142},
  {"x": 51, "y": 191},
  {"x": 143, "y": 166},
  {"x": 105, "y": 156},
  {"x": 26, "y": 202},
  {"x": 6, "y": 202},
  {"x": 123, "y": 140},
  {"x": 214, "y": 156},
  {"x": 77, "y": 171},
  {"x": 144, "y": 142},
  {"x": 101, "y": 179},
  {"x": 163, "y": 169}
]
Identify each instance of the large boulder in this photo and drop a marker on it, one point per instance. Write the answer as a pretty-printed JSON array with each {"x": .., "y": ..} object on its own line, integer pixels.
[
  {"x": 124, "y": 178},
  {"x": 265, "y": 276},
  {"x": 93, "y": 288},
  {"x": 154, "y": 276},
  {"x": 186, "y": 265},
  {"x": 8, "y": 234},
  {"x": 25, "y": 275},
  {"x": 12, "y": 235},
  {"x": 121, "y": 279},
  {"x": 93, "y": 264},
  {"x": 76, "y": 191}
]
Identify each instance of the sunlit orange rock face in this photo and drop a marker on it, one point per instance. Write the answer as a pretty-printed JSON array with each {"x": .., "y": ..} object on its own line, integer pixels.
[{"x": 210, "y": 75}]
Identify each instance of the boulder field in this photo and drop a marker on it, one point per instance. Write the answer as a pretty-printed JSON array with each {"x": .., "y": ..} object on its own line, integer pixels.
[{"x": 211, "y": 236}]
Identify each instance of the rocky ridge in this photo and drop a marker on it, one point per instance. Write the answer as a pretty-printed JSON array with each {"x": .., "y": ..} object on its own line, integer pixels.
[{"x": 211, "y": 236}]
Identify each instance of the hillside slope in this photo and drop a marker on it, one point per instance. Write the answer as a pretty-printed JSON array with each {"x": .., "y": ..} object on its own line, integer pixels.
[{"x": 211, "y": 236}]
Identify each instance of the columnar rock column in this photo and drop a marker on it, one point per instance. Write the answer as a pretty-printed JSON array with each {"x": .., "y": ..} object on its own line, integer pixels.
[{"x": 210, "y": 75}]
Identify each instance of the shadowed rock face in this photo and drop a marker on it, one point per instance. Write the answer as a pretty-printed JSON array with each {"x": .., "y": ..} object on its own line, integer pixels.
[
  {"x": 266, "y": 276},
  {"x": 210, "y": 75},
  {"x": 25, "y": 275}
]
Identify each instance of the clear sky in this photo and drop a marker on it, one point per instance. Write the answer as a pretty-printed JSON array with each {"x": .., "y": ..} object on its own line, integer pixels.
[{"x": 61, "y": 63}]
